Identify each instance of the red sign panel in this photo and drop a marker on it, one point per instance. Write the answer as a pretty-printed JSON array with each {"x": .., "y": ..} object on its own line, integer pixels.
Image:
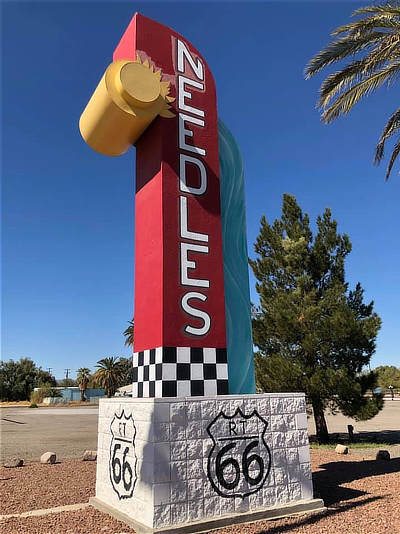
[{"x": 179, "y": 285}]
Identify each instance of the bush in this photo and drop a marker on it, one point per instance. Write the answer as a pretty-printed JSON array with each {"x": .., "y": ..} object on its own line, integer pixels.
[
  {"x": 33, "y": 405},
  {"x": 51, "y": 392},
  {"x": 45, "y": 391},
  {"x": 19, "y": 378},
  {"x": 36, "y": 397}
]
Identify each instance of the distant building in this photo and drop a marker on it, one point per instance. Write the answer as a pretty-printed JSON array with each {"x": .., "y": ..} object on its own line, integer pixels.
[{"x": 73, "y": 393}]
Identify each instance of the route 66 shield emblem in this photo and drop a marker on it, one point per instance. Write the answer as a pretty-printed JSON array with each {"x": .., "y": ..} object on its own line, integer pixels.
[
  {"x": 240, "y": 460},
  {"x": 122, "y": 455}
]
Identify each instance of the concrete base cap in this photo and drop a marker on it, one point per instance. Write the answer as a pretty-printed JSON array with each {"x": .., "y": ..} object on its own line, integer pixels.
[{"x": 279, "y": 512}]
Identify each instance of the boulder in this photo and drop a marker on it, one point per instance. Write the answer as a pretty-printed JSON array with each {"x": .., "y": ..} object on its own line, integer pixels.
[
  {"x": 14, "y": 462},
  {"x": 48, "y": 458},
  {"x": 383, "y": 455},
  {"x": 89, "y": 456},
  {"x": 341, "y": 449}
]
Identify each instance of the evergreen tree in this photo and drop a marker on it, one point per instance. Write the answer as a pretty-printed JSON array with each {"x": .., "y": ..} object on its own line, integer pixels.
[
  {"x": 18, "y": 378},
  {"x": 313, "y": 333},
  {"x": 388, "y": 375},
  {"x": 67, "y": 383}
]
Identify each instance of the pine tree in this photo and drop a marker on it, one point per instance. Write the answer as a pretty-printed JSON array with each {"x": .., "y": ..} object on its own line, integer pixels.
[
  {"x": 388, "y": 375},
  {"x": 313, "y": 333}
]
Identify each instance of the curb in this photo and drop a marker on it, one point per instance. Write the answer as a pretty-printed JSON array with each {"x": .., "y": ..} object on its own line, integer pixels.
[{"x": 46, "y": 511}]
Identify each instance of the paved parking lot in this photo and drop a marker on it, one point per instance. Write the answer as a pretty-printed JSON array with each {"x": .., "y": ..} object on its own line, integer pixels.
[
  {"x": 68, "y": 431},
  {"x": 29, "y": 432},
  {"x": 384, "y": 426}
]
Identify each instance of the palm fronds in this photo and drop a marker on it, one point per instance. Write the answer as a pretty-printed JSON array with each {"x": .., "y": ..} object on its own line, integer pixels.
[
  {"x": 392, "y": 126},
  {"x": 375, "y": 38},
  {"x": 383, "y": 21},
  {"x": 343, "y": 104},
  {"x": 83, "y": 378},
  {"x": 340, "y": 49},
  {"x": 384, "y": 9},
  {"x": 128, "y": 333},
  {"x": 108, "y": 374},
  {"x": 395, "y": 153}
]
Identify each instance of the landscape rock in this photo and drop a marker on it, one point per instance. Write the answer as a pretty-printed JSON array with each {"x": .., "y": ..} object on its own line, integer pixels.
[
  {"x": 48, "y": 458},
  {"x": 383, "y": 455},
  {"x": 89, "y": 456},
  {"x": 341, "y": 449},
  {"x": 14, "y": 462}
]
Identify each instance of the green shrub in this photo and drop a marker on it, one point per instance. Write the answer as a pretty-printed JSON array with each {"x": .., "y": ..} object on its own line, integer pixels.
[
  {"x": 33, "y": 405},
  {"x": 45, "y": 391},
  {"x": 52, "y": 392}
]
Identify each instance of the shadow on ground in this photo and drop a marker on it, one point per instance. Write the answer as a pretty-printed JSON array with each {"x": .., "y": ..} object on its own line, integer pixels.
[
  {"x": 391, "y": 437},
  {"x": 328, "y": 485},
  {"x": 313, "y": 519},
  {"x": 12, "y": 421},
  {"x": 383, "y": 436},
  {"x": 328, "y": 482}
]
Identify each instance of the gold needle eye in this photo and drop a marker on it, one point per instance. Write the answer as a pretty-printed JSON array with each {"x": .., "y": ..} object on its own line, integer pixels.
[
  {"x": 139, "y": 85},
  {"x": 128, "y": 98}
]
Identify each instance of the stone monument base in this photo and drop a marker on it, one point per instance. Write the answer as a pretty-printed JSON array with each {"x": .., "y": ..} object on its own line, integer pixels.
[
  {"x": 207, "y": 525},
  {"x": 198, "y": 463}
]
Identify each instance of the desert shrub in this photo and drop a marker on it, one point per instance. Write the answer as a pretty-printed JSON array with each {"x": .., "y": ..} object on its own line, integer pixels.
[{"x": 45, "y": 391}]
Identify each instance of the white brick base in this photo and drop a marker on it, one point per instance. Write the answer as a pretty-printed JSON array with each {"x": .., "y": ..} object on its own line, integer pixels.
[{"x": 169, "y": 461}]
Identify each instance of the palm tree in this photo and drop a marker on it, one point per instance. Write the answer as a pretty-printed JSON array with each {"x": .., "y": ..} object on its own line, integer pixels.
[
  {"x": 128, "y": 333},
  {"x": 83, "y": 377},
  {"x": 108, "y": 374},
  {"x": 373, "y": 44}
]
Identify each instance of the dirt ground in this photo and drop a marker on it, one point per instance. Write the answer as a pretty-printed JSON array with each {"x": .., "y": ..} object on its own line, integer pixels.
[{"x": 361, "y": 494}]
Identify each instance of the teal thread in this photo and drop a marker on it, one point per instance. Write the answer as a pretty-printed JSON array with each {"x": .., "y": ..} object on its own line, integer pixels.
[{"x": 236, "y": 271}]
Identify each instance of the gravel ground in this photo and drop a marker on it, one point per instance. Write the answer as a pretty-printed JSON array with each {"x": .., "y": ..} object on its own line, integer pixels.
[
  {"x": 36, "y": 486},
  {"x": 87, "y": 521},
  {"x": 362, "y": 496}
]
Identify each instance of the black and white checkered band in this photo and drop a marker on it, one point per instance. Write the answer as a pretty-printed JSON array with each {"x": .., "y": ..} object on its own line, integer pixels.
[{"x": 180, "y": 372}]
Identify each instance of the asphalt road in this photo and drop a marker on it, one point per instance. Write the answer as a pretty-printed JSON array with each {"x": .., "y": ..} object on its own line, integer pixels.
[
  {"x": 28, "y": 433},
  {"x": 68, "y": 431},
  {"x": 385, "y": 426}
]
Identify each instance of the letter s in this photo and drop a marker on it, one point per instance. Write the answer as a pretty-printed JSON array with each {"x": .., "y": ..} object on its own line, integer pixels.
[{"x": 194, "y": 312}]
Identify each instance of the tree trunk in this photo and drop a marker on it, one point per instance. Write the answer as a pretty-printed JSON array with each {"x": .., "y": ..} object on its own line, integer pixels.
[
  {"x": 83, "y": 395},
  {"x": 320, "y": 422}
]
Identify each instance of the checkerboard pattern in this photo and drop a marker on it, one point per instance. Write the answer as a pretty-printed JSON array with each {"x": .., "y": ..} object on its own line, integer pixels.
[{"x": 180, "y": 372}]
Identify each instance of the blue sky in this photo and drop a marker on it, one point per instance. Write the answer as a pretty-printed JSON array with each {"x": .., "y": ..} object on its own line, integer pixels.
[{"x": 67, "y": 256}]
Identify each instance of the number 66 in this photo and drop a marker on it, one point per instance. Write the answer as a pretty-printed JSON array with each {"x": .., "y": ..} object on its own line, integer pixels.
[
  {"x": 117, "y": 471},
  {"x": 246, "y": 461}
]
